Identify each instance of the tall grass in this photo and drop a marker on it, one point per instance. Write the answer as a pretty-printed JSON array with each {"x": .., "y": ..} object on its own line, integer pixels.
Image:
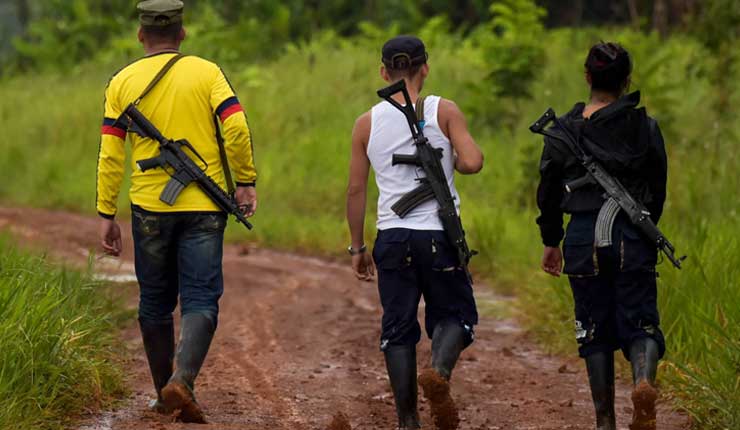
[
  {"x": 56, "y": 355},
  {"x": 303, "y": 105}
]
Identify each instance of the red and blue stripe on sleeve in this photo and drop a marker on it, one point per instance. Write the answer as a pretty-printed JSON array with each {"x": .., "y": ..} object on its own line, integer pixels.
[
  {"x": 229, "y": 107},
  {"x": 110, "y": 127}
]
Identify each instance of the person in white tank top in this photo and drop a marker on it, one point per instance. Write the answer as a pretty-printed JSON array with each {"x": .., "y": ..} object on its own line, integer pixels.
[{"x": 412, "y": 254}]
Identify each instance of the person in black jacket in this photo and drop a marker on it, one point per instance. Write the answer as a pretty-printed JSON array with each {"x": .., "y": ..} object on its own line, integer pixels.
[{"x": 614, "y": 287}]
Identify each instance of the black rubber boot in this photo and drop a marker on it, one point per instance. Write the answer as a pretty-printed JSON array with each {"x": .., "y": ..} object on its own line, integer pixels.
[
  {"x": 159, "y": 344},
  {"x": 195, "y": 338},
  {"x": 401, "y": 364},
  {"x": 644, "y": 355},
  {"x": 600, "y": 368},
  {"x": 448, "y": 341}
]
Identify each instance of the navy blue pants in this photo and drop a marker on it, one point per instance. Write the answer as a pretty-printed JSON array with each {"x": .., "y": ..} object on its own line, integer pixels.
[
  {"x": 416, "y": 263},
  {"x": 178, "y": 254},
  {"x": 614, "y": 288}
]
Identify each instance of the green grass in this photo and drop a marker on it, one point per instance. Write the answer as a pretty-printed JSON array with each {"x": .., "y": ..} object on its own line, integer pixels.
[
  {"x": 303, "y": 105},
  {"x": 56, "y": 343}
]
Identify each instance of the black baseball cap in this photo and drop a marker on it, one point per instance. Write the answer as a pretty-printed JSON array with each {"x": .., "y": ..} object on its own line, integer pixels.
[{"x": 403, "y": 52}]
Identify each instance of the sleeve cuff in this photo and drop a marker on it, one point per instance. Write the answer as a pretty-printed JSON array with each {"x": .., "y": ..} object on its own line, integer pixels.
[
  {"x": 551, "y": 243},
  {"x": 246, "y": 184},
  {"x": 107, "y": 216}
]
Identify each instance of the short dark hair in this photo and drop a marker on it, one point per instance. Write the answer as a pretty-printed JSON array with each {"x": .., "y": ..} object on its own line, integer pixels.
[
  {"x": 164, "y": 33},
  {"x": 408, "y": 72},
  {"x": 610, "y": 67}
]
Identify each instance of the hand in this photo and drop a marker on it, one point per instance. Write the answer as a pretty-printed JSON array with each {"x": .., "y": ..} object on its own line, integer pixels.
[
  {"x": 246, "y": 198},
  {"x": 552, "y": 261},
  {"x": 110, "y": 237},
  {"x": 363, "y": 266}
]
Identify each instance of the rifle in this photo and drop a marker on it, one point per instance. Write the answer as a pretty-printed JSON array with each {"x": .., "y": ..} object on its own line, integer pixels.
[
  {"x": 434, "y": 184},
  {"x": 617, "y": 196},
  {"x": 172, "y": 155}
]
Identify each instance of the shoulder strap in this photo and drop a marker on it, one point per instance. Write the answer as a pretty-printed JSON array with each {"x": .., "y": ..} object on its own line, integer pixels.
[
  {"x": 224, "y": 159},
  {"x": 159, "y": 77},
  {"x": 420, "y": 111}
]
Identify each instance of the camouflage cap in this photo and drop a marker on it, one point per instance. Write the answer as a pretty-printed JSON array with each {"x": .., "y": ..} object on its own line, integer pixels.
[{"x": 160, "y": 12}]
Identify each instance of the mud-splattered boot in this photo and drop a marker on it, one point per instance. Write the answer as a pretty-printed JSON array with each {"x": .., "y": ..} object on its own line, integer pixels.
[
  {"x": 600, "y": 368},
  {"x": 644, "y": 355},
  {"x": 159, "y": 344},
  {"x": 401, "y": 364},
  {"x": 448, "y": 341},
  {"x": 195, "y": 338}
]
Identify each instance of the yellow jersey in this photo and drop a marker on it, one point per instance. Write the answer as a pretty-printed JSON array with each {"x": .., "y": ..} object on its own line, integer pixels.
[{"x": 182, "y": 106}]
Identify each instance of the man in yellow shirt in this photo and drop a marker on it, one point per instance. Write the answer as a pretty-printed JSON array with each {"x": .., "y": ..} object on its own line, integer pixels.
[{"x": 178, "y": 249}]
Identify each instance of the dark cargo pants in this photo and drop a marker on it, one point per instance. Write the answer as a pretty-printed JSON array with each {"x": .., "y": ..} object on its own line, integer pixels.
[
  {"x": 614, "y": 288},
  {"x": 416, "y": 263}
]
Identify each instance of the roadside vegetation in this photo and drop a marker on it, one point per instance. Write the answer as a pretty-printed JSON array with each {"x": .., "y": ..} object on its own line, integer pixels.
[
  {"x": 503, "y": 73},
  {"x": 57, "y": 342}
]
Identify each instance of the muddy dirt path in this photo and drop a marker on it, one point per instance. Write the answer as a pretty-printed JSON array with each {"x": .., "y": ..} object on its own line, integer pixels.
[{"x": 298, "y": 342}]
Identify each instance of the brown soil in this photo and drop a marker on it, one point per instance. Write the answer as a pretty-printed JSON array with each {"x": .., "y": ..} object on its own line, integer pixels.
[
  {"x": 297, "y": 344},
  {"x": 437, "y": 392},
  {"x": 340, "y": 422},
  {"x": 178, "y": 398},
  {"x": 643, "y": 400}
]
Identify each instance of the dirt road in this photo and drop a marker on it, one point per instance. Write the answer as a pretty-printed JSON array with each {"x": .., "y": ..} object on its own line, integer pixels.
[{"x": 297, "y": 343}]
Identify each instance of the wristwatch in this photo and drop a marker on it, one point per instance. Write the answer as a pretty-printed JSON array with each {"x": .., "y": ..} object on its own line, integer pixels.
[{"x": 354, "y": 252}]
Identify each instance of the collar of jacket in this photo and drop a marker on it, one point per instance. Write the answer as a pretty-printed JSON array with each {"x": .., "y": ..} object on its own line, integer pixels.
[{"x": 628, "y": 101}]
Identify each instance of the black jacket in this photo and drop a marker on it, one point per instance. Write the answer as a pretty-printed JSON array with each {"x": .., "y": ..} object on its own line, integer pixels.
[{"x": 629, "y": 145}]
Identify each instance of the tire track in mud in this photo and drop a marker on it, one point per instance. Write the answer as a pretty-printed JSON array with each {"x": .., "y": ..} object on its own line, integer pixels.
[{"x": 297, "y": 343}]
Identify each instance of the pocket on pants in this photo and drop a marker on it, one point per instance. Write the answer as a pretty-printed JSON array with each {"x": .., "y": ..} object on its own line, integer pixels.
[
  {"x": 211, "y": 222},
  {"x": 636, "y": 253},
  {"x": 391, "y": 255},
  {"x": 444, "y": 256},
  {"x": 146, "y": 225},
  {"x": 579, "y": 251}
]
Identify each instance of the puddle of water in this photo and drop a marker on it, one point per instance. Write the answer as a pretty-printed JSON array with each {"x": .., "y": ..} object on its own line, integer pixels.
[{"x": 117, "y": 277}]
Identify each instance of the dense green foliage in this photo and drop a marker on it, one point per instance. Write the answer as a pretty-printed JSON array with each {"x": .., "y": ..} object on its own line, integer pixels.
[
  {"x": 302, "y": 106},
  {"x": 56, "y": 356}
]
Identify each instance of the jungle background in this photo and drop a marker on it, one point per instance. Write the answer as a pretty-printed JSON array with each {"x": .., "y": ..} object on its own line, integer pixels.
[{"x": 304, "y": 71}]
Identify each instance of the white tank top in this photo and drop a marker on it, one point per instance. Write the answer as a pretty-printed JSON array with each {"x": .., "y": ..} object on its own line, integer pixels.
[{"x": 390, "y": 134}]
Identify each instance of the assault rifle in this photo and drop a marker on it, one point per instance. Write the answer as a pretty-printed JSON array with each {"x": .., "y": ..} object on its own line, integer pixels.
[
  {"x": 434, "y": 184},
  {"x": 185, "y": 171},
  {"x": 617, "y": 196}
]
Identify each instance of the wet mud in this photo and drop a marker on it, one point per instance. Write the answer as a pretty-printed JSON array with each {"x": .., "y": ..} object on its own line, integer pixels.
[
  {"x": 437, "y": 391},
  {"x": 297, "y": 344}
]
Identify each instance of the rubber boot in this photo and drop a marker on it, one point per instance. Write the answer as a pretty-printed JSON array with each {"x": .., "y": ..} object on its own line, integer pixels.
[
  {"x": 448, "y": 341},
  {"x": 401, "y": 364},
  {"x": 644, "y": 355},
  {"x": 600, "y": 368},
  {"x": 159, "y": 344},
  {"x": 195, "y": 338}
]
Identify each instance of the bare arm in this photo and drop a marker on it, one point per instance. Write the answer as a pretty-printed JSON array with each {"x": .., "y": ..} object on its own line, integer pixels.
[
  {"x": 469, "y": 158},
  {"x": 359, "y": 169}
]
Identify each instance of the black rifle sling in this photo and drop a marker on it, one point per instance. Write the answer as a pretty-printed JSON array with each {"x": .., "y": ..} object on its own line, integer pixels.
[
  {"x": 224, "y": 159},
  {"x": 166, "y": 68}
]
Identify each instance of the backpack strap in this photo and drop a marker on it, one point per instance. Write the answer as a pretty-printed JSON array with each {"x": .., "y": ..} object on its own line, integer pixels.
[
  {"x": 420, "y": 112},
  {"x": 159, "y": 76}
]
